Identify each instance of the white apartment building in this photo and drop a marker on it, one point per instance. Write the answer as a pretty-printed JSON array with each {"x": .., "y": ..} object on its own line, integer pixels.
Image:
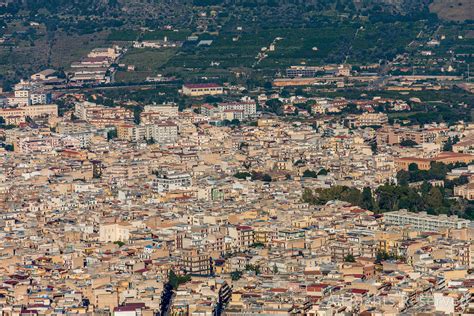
[
  {"x": 161, "y": 132},
  {"x": 248, "y": 107},
  {"x": 424, "y": 222},
  {"x": 171, "y": 181},
  {"x": 163, "y": 110}
]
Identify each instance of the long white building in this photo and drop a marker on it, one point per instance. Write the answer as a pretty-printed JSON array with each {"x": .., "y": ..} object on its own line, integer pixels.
[{"x": 423, "y": 221}]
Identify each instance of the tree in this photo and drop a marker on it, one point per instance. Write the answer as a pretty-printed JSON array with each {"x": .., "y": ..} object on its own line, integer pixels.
[
  {"x": 434, "y": 198},
  {"x": 367, "y": 200},
  {"x": 119, "y": 243},
  {"x": 309, "y": 174},
  {"x": 242, "y": 175},
  {"x": 373, "y": 146},
  {"x": 175, "y": 280},
  {"x": 235, "y": 275},
  {"x": 267, "y": 178},
  {"x": 275, "y": 269},
  {"x": 412, "y": 167},
  {"x": 9, "y": 147},
  {"x": 137, "y": 110},
  {"x": 349, "y": 258},
  {"x": 403, "y": 177},
  {"x": 438, "y": 170},
  {"x": 275, "y": 106},
  {"x": 408, "y": 143},
  {"x": 235, "y": 122},
  {"x": 285, "y": 93},
  {"x": 323, "y": 172},
  {"x": 111, "y": 134},
  {"x": 448, "y": 146},
  {"x": 254, "y": 268}
]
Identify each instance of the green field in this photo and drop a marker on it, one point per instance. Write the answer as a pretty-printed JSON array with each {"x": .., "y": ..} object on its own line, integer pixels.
[
  {"x": 310, "y": 46},
  {"x": 382, "y": 41},
  {"x": 133, "y": 35},
  {"x": 171, "y": 35},
  {"x": 147, "y": 62},
  {"x": 234, "y": 50}
]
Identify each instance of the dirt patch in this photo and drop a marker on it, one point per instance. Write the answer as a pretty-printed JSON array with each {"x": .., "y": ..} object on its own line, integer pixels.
[{"x": 453, "y": 10}]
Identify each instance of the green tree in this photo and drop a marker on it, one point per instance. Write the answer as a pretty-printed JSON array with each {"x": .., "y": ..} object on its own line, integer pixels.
[
  {"x": 111, "y": 134},
  {"x": 403, "y": 177},
  {"x": 242, "y": 175},
  {"x": 235, "y": 275},
  {"x": 275, "y": 269},
  {"x": 412, "y": 167},
  {"x": 349, "y": 258},
  {"x": 373, "y": 146},
  {"x": 275, "y": 106},
  {"x": 448, "y": 146},
  {"x": 323, "y": 172},
  {"x": 9, "y": 147},
  {"x": 367, "y": 200},
  {"x": 434, "y": 198},
  {"x": 408, "y": 143},
  {"x": 309, "y": 174},
  {"x": 176, "y": 280}
]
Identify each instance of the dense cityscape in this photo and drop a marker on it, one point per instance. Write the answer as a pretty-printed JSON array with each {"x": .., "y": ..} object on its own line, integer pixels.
[{"x": 211, "y": 158}]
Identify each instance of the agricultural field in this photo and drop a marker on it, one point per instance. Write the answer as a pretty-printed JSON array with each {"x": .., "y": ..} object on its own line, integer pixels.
[
  {"x": 239, "y": 50},
  {"x": 147, "y": 63},
  {"x": 382, "y": 41},
  {"x": 126, "y": 35},
  {"x": 310, "y": 46}
]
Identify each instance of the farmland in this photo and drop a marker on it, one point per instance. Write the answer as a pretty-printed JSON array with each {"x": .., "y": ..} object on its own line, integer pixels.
[{"x": 147, "y": 62}]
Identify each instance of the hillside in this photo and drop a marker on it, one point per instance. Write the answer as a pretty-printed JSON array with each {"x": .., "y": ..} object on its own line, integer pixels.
[{"x": 453, "y": 10}]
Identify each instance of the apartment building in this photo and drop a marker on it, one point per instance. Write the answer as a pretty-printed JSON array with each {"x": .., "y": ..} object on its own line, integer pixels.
[
  {"x": 248, "y": 107},
  {"x": 370, "y": 119},
  {"x": 395, "y": 135},
  {"x": 169, "y": 181},
  {"x": 160, "y": 132},
  {"x": 29, "y": 93},
  {"x": 153, "y": 113},
  {"x": 89, "y": 111},
  {"x": 424, "y": 222},
  {"x": 244, "y": 236},
  {"x": 195, "y": 262}
]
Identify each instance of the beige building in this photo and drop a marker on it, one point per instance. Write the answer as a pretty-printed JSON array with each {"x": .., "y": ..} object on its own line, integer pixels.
[
  {"x": 196, "y": 90},
  {"x": 465, "y": 191},
  {"x": 114, "y": 232}
]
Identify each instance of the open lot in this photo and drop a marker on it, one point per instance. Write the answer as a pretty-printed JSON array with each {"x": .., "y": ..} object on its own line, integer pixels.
[
  {"x": 147, "y": 62},
  {"x": 453, "y": 10}
]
